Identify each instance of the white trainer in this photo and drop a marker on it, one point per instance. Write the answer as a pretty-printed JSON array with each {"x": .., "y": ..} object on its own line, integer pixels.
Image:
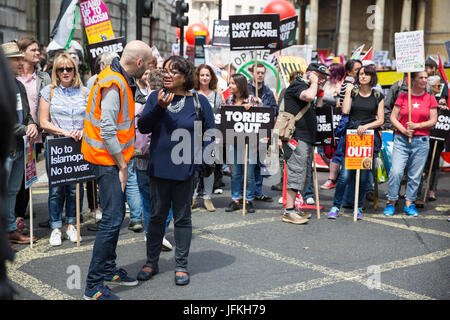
[
  {"x": 71, "y": 233},
  {"x": 98, "y": 214},
  {"x": 166, "y": 244},
  {"x": 55, "y": 238},
  {"x": 310, "y": 201}
]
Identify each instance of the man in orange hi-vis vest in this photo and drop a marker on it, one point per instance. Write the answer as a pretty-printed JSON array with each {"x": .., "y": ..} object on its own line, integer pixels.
[{"x": 108, "y": 144}]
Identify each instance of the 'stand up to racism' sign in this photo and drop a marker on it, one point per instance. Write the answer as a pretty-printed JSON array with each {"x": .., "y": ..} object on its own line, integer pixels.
[
  {"x": 359, "y": 150},
  {"x": 254, "y": 32},
  {"x": 66, "y": 164}
]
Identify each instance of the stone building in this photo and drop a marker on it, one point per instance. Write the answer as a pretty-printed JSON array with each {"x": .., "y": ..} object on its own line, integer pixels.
[
  {"x": 36, "y": 18},
  {"x": 374, "y": 23}
]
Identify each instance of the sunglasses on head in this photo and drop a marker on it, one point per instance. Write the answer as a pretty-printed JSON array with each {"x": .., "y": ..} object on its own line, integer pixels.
[{"x": 68, "y": 69}]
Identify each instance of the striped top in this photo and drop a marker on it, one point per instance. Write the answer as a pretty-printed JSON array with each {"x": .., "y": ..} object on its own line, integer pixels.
[{"x": 67, "y": 106}]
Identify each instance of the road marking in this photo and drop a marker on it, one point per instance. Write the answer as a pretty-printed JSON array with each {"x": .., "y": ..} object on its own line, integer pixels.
[
  {"x": 41, "y": 251},
  {"x": 357, "y": 275}
]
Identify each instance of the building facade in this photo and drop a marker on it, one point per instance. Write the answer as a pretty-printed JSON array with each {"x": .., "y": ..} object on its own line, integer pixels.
[{"x": 36, "y": 18}]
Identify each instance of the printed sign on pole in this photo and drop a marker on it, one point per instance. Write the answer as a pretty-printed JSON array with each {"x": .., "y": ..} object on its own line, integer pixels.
[
  {"x": 254, "y": 32},
  {"x": 288, "y": 31},
  {"x": 199, "y": 48},
  {"x": 66, "y": 164},
  {"x": 359, "y": 150},
  {"x": 409, "y": 51},
  {"x": 30, "y": 162},
  {"x": 289, "y": 64},
  {"x": 442, "y": 128},
  {"x": 221, "y": 33},
  {"x": 325, "y": 129},
  {"x": 94, "y": 50},
  {"x": 96, "y": 21}
]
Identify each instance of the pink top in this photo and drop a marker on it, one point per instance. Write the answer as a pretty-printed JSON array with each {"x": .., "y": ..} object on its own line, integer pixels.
[
  {"x": 32, "y": 94},
  {"x": 420, "y": 110}
]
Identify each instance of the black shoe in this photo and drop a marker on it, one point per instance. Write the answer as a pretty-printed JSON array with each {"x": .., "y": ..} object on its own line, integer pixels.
[
  {"x": 249, "y": 207},
  {"x": 45, "y": 224},
  {"x": 233, "y": 206},
  {"x": 369, "y": 196},
  {"x": 277, "y": 187},
  {"x": 182, "y": 280},
  {"x": 264, "y": 198},
  {"x": 147, "y": 275}
]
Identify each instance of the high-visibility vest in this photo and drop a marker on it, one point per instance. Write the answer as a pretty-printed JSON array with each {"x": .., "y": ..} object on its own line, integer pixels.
[{"x": 93, "y": 147}]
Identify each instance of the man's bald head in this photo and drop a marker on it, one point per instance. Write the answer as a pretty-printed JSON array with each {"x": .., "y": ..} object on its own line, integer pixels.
[{"x": 136, "y": 58}]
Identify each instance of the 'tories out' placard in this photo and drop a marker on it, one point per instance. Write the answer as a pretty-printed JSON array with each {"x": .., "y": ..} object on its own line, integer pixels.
[{"x": 359, "y": 150}]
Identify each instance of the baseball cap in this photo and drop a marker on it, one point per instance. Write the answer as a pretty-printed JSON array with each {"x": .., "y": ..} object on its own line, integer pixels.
[
  {"x": 11, "y": 50},
  {"x": 318, "y": 67}
]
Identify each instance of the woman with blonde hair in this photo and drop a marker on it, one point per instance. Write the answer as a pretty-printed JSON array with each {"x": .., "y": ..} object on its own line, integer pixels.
[{"x": 62, "y": 110}]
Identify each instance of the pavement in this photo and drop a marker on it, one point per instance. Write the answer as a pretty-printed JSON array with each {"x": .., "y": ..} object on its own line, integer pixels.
[{"x": 259, "y": 257}]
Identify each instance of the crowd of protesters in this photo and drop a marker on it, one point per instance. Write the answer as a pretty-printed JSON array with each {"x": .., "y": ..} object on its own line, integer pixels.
[{"x": 130, "y": 149}]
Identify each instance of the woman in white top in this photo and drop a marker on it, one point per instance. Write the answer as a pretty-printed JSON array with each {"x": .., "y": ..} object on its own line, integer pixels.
[{"x": 205, "y": 82}]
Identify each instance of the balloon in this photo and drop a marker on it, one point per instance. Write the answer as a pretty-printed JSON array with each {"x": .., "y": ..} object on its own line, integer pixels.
[
  {"x": 283, "y": 7},
  {"x": 190, "y": 32}
]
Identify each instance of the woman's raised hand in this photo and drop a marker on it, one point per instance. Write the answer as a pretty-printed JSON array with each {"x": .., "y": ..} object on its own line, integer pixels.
[{"x": 164, "y": 100}]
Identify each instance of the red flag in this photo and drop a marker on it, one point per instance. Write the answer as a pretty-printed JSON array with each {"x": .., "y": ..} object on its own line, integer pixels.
[
  {"x": 227, "y": 93},
  {"x": 368, "y": 55},
  {"x": 444, "y": 77}
]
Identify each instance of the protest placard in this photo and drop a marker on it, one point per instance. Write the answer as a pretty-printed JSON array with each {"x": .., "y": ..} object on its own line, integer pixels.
[
  {"x": 288, "y": 31},
  {"x": 359, "y": 150},
  {"x": 381, "y": 57},
  {"x": 325, "y": 130},
  {"x": 96, "y": 21},
  {"x": 254, "y": 32},
  {"x": 409, "y": 51},
  {"x": 199, "y": 48},
  {"x": 66, "y": 164},
  {"x": 442, "y": 128},
  {"x": 94, "y": 50},
  {"x": 289, "y": 64},
  {"x": 221, "y": 34},
  {"x": 30, "y": 162}
]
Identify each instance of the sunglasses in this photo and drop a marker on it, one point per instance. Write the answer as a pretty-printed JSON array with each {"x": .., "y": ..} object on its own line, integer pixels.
[
  {"x": 69, "y": 69},
  {"x": 437, "y": 85}
]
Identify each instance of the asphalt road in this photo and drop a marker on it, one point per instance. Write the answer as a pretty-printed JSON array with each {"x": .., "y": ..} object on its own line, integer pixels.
[{"x": 258, "y": 256}]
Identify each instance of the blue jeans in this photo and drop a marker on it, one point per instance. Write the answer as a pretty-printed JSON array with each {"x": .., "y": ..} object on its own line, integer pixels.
[
  {"x": 144, "y": 189},
  {"x": 133, "y": 195},
  {"x": 165, "y": 194},
  {"x": 103, "y": 261},
  {"x": 237, "y": 177},
  {"x": 15, "y": 170},
  {"x": 414, "y": 155},
  {"x": 346, "y": 187}
]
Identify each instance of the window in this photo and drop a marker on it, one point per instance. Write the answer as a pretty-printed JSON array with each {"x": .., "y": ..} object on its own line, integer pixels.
[
  {"x": 251, "y": 10},
  {"x": 238, "y": 10},
  {"x": 42, "y": 21},
  {"x": 123, "y": 18}
]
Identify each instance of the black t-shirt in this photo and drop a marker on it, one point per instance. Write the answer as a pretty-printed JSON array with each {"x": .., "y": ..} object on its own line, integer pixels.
[
  {"x": 306, "y": 127},
  {"x": 365, "y": 109}
]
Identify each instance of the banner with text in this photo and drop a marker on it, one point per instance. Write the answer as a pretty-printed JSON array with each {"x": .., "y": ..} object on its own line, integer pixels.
[
  {"x": 94, "y": 50},
  {"x": 288, "y": 31},
  {"x": 254, "y": 32},
  {"x": 96, "y": 21},
  {"x": 30, "y": 162},
  {"x": 66, "y": 164},
  {"x": 325, "y": 129},
  {"x": 359, "y": 150},
  {"x": 289, "y": 64},
  {"x": 221, "y": 33},
  {"x": 409, "y": 51},
  {"x": 442, "y": 128}
]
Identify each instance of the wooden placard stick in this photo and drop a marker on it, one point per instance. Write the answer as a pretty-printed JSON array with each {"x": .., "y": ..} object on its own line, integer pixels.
[
  {"x": 31, "y": 217},
  {"x": 254, "y": 73},
  {"x": 355, "y": 207},
  {"x": 431, "y": 169},
  {"x": 316, "y": 185},
  {"x": 78, "y": 213},
  {"x": 409, "y": 101},
  {"x": 245, "y": 180}
]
